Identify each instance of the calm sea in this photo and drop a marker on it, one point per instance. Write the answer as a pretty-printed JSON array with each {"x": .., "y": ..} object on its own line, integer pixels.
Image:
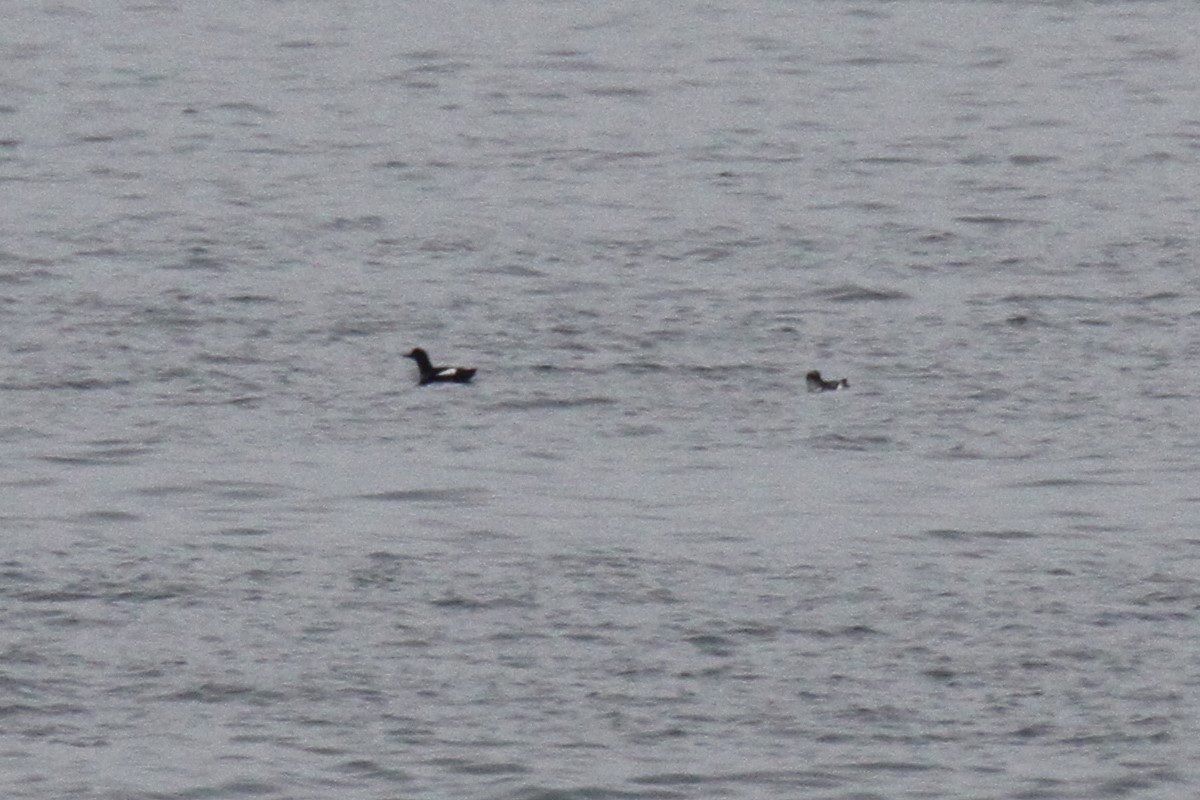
[{"x": 245, "y": 556}]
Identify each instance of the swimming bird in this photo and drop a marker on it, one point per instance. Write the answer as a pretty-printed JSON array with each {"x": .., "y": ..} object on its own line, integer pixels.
[
  {"x": 818, "y": 384},
  {"x": 432, "y": 374}
]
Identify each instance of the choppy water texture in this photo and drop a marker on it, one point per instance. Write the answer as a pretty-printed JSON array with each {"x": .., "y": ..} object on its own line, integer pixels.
[{"x": 245, "y": 556}]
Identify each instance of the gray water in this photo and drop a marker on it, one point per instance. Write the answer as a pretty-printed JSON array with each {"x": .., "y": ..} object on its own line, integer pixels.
[{"x": 246, "y": 556}]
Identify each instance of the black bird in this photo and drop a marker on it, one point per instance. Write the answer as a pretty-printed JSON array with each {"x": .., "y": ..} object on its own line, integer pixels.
[
  {"x": 432, "y": 374},
  {"x": 818, "y": 384}
]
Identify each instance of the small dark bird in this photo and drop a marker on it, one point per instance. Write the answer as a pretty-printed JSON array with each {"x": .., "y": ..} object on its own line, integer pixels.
[
  {"x": 818, "y": 384},
  {"x": 432, "y": 374}
]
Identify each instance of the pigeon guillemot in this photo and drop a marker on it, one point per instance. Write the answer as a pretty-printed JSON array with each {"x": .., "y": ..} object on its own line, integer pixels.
[
  {"x": 432, "y": 374},
  {"x": 818, "y": 384}
]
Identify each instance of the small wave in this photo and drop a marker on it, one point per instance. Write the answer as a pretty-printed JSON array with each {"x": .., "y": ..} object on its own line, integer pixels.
[
  {"x": 796, "y": 779},
  {"x": 849, "y": 631},
  {"x": 20, "y": 277},
  {"x": 107, "y": 591},
  {"x": 467, "y": 767},
  {"x": 366, "y": 222},
  {"x": 198, "y": 260},
  {"x": 839, "y": 441},
  {"x": 552, "y": 403},
  {"x": 637, "y": 431},
  {"x": 640, "y": 366},
  {"x": 103, "y": 455},
  {"x": 994, "y": 220},
  {"x": 854, "y": 293},
  {"x": 456, "y": 496},
  {"x": 69, "y": 384},
  {"x": 958, "y": 534},
  {"x": 1031, "y": 160},
  {"x": 210, "y": 692},
  {"x": 243, "y": 531},
  {"x": 223, "y": 490},
  {"x": 894, "y": 766},
  {"x": 512, "y": 271},
  {"x": 618, "y": 91},
  {"x": 454, "y": 600},
  {"x": 892, "y": 160},
  {"x": 877, "y": 61},
  {"x": 1064, "y": 483},
  {"x": 102, "y": 516}
]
